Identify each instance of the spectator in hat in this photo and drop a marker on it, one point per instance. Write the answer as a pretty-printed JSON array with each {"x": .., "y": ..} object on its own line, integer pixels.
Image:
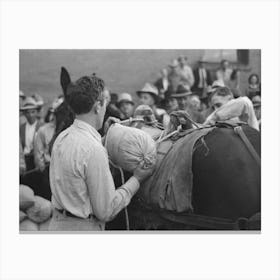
[
  {"x": 224, "y": 72},
  {"x": 228, "y": 108},
  {"x": 185, "y": 71},
  {"x": 254, "y": 86},
  {"x": 185, "y": 98},
  {"x": 149, "y": 96},
  {"x": 28, "y": 130},
  {"x": 202, "y": 79},
  {"x": 126, "y": 105},
  {"x": 43, "y": 138}
]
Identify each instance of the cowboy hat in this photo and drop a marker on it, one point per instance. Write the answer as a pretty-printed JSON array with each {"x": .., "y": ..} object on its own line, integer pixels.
[
  {"x": 149, "y": 88},
  {"x": 182, "y": 91},
  {"x": 39, "y": 100},
  {"x": 125, "y": 97},
  {"x": 29, "y": 104},
  {"x": 174, "y": 63}
]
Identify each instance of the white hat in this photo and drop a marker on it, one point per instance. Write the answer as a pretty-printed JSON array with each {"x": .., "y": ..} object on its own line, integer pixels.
[
  {"x": 215, "y": 85},
  {"x": 125, "y": 97},
  {"x": 21, "y": 94},
  {"x": 56, "y": 103},
  {"x": 29, "y": 104},
  {"x": 148, "y": 88},
  {"x": 174, "y": 63},
  {"x": 39, "y": 100}
]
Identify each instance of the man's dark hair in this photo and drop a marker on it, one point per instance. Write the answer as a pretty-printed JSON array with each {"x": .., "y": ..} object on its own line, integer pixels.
[
  {"x": 223, "y": 61},
  {"x": 222, "y": 91},
  {"x": 84, "y": 93}
]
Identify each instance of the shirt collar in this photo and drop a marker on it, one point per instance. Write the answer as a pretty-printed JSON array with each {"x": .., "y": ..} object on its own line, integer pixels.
[
  {"x": 31, "y": 125},
  {"x": 85, "y": 126}
]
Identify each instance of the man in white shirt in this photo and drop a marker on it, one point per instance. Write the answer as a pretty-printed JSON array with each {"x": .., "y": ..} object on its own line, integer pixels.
[
  {"x": 186, "y": 72},
  {"x": 224, "y": 72},
  {"x": 28, "y": 130},
  {"x": 43, "y": 138},
  {"x": 83, "y": 191},
  {"x": 228, "y": 108}
]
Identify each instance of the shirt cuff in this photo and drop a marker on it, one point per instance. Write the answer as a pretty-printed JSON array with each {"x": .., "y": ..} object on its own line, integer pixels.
[{"x": 131, "y": 186}]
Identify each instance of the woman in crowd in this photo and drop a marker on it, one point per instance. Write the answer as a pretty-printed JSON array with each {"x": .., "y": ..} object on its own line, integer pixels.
[{"x": 254, "y": 87}]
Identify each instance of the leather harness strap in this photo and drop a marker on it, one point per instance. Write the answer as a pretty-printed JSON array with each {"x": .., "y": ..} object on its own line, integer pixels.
[
  {"x": 212, "y": 222},
  {"x": 239, "y": 131},
  {"x": 207, "y": 222}
]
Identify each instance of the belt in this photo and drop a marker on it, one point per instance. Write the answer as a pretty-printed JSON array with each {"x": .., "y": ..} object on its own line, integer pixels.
[{"x": 69, "y": 214}]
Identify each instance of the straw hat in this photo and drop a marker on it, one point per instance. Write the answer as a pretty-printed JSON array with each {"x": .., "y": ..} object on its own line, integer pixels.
[
  {"x": 174, "y": 63},
  {"x": 29, "y": 104},
  {"x": 39, "y": 100},
  {"x": 125, "y": 97},
  {"x": 149, "y": 88},
  {"x": 182, "y": 91}
]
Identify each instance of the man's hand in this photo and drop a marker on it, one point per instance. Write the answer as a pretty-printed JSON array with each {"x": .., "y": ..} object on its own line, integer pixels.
[
  {"x": 142, "y": 171},
  {"x": 109, "y": 122}
]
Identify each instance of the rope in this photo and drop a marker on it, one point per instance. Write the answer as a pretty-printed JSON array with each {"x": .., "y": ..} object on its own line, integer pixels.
[
  {"x": 123, "y": 181},
  {"x": 161, "y": 139}
]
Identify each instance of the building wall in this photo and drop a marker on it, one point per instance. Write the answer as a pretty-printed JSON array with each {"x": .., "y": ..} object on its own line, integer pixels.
[{"x": 122, "y": 70}]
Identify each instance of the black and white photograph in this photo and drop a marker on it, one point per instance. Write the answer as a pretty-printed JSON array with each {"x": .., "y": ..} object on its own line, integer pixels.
[{"x": 140, "y": 140}]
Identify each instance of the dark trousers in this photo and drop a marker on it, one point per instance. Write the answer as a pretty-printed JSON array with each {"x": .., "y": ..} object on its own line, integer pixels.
[
  {"x": 39, "y": 182},
  {"x": 29, "y": 161}
]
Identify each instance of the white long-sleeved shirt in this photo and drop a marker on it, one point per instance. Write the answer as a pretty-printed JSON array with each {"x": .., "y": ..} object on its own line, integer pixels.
[
  {"x": 30, "y": 130},
  {"x": 240, "y": 108},
  {"x": 186, "y": 74},
  {"x": 80, "y": 177}
]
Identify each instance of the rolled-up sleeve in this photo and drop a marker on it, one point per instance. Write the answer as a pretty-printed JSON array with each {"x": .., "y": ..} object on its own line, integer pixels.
[{"x": 106, "y": 201}]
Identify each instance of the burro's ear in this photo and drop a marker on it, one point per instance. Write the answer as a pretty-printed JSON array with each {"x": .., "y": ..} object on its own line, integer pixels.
[{"x": 65, "y": 80}]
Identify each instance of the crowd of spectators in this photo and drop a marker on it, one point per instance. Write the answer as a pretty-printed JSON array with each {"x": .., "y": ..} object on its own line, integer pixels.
[{"x": 205, "y": 96}]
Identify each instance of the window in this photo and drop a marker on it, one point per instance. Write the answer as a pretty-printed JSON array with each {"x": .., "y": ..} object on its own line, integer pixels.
[{"x": 232, "y": 55}]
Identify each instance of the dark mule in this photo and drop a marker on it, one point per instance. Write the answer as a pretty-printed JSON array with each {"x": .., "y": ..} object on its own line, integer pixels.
[{"x": 226, "y": 186}]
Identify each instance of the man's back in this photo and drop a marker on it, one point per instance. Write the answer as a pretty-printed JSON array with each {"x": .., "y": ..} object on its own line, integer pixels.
[{"x": 68, "y": 165}]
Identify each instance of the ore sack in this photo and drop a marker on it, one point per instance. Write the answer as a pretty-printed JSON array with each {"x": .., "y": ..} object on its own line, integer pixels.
[{"x": 128, "y": 147}]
